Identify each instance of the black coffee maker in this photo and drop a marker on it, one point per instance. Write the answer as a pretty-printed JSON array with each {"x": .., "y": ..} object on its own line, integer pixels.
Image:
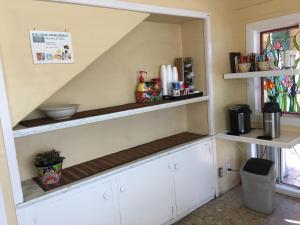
[{"x": 240, "y": 119}]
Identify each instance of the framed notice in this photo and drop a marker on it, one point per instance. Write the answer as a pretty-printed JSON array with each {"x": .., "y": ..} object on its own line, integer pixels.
[{"x": 51, "y": 47}]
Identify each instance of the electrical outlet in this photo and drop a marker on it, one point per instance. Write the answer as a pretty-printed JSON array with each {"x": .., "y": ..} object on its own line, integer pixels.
[
  {"x": 227, "y": 167},
  {"x": 220, "y": 171}
]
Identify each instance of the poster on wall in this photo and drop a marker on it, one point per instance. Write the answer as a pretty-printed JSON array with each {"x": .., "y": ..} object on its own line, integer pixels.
[{"x": 51, "y": 47}]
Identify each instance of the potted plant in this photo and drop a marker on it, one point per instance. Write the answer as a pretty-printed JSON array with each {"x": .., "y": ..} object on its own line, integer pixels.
[{"x": 49, "y": 166}]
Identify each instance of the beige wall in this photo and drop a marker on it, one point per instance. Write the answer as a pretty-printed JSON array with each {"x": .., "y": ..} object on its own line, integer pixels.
[
  {"x": 94, "y": 30},
  {"x": 193, "y": 45},
  {"x": 112, "y": 78},
  {"x": 228, "y": 34}
]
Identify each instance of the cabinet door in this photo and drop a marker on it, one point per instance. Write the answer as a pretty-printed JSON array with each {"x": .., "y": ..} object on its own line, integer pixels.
[
  {"x": 193, "y": 176},
  {"x": 25, "y": 216},
  {"x": 91, "y": 206},
  {"x": 146, "y": 194}
]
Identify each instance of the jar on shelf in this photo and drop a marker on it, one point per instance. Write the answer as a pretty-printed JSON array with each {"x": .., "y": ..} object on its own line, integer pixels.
[{"x": 156, "y": 84}]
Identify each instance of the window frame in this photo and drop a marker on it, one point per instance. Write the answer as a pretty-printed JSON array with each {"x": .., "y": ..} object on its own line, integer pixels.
[{"x": 253, "y": 45}]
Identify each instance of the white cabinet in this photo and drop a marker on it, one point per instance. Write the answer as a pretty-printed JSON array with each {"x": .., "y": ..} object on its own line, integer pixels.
[
  {"x": 194, "y": 176},
  {"x": 91, "y": 206},
  {"x": 146, "y": 194},
  {"x": 143, "y": 194}
]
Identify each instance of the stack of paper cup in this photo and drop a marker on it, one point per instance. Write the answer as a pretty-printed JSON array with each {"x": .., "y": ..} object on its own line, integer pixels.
[
  {"x": 167, "y": 76},
  {"x": 170, "y": 79},
  {"x": 164, "y": 79},
  {"x": 174, "y": 74}
]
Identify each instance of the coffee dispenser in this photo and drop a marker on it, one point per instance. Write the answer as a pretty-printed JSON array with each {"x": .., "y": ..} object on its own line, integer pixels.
[
  {"x": 239, "y": 117},
  {"x": 271, "y": 119}
]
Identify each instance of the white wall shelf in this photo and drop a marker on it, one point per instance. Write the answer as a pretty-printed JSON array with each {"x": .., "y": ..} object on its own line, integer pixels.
[
  {"x": 286, "y": 140},
  {"x": 271, "y": 73},
  {"x": 22, "y": 131}
]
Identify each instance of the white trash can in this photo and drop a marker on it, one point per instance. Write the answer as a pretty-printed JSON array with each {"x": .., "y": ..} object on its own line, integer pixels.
[{"x": 258, "y": 181}]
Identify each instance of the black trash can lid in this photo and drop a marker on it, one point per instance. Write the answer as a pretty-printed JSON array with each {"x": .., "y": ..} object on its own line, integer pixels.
[{"x": 258, "y": 166}]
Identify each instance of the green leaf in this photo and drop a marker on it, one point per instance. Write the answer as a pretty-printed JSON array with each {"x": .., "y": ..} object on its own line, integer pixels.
[{"x": 296, "y": 43}]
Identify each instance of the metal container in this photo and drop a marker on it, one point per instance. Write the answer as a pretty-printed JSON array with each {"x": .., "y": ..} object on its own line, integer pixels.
[
  {"x": 272, "y": 124},
  {"x": 272, "y": 114}
]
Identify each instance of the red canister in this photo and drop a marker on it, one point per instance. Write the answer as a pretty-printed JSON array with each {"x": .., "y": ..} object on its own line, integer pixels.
[{"x": 156, "y": 84}]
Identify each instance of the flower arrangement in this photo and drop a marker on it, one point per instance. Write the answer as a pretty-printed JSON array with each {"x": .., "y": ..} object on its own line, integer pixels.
[
  {"x": 49, "y": 167},
  {"x": 48, "y": 158}
]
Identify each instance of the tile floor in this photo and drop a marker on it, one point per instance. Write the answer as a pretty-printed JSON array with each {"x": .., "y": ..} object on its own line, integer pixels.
[{"x": 230, "y": 210}]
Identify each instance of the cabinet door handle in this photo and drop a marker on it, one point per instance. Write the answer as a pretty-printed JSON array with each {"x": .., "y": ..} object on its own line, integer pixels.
[
  {"x": 122, "y": 189},
  {"x": 107, "y": 195},
  {"x": 176, "y": 167}
]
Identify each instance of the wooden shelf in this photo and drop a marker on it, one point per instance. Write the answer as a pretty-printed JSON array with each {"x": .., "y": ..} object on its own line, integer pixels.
[
  {"x": 286, "y": 140},
  {"x": 80, "y": 172},
  {"x": 43, "y": 125},
  {"x": 271, "y": 73}
]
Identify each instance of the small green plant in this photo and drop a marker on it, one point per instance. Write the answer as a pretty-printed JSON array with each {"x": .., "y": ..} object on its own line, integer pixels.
[{"x": 49, "y": 158}]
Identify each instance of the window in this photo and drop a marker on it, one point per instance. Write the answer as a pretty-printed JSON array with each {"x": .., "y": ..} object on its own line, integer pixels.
[
  {"x": 290, "y": 166},
  {"x": 255, "y": 91},
  {"x": 281, "y": 47}
]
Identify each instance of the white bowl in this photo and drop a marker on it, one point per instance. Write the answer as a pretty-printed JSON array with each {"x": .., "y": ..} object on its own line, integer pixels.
[{"x": 60, "y": 112}]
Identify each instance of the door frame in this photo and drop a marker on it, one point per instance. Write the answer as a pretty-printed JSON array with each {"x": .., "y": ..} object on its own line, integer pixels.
[{"x": 6, "y": 124}]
